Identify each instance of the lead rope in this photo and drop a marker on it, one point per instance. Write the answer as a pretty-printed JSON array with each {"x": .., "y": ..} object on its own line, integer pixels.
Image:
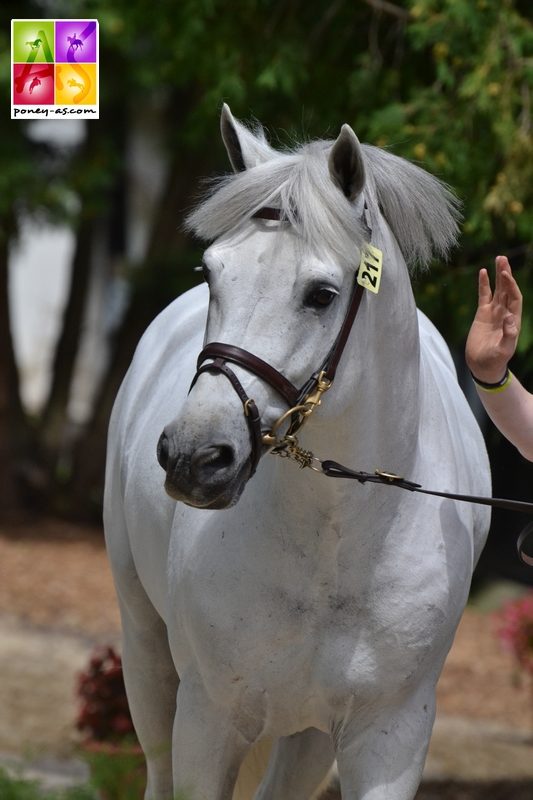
[{"x": 289, "y": 447}]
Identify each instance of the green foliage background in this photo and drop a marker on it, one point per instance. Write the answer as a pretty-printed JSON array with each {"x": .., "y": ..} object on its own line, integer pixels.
[
  {"x": 447, "y": 83},
  {"x": 444, "y": 82}
]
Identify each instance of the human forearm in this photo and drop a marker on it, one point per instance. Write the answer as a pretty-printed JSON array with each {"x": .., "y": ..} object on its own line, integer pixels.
[{"x": 511, "y": 410}]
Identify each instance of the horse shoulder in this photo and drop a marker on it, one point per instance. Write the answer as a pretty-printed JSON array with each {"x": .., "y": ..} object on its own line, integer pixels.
[
  {"x": 160, "y": 353},
  {"x": 455, "y": 452},
  {"x": 434, "y": 347},
  {"x": 137, "y": 510}
]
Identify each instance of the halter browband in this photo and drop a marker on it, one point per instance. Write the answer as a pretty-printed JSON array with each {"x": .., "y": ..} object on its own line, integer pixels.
[{"x": 221, "y": 353}]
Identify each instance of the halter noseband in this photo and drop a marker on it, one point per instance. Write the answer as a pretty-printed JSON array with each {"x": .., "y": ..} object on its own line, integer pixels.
[{"x": 301, "y": 402}]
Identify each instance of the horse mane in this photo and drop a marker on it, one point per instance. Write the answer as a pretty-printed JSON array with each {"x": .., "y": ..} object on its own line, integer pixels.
[{"x": 422, "y": 212}]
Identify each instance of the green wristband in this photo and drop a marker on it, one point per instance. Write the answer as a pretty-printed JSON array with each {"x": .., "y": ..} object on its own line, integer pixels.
[{"x": 494, "y": 388}]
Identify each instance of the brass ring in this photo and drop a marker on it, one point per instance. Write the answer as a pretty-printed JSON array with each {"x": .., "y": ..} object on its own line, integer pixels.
[{"x": 270, "y": 438}]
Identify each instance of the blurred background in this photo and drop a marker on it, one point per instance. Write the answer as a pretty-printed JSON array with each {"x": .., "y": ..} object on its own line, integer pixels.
[
  {"x": 92, "y": 248},
  {"x": 91, "y": 243}
]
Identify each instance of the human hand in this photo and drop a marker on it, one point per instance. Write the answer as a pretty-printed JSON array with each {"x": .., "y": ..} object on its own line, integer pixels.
[{"x": 494, "y": 333}]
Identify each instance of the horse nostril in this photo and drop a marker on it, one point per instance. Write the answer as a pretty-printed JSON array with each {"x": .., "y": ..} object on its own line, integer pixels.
[
  {"x": 207, "y": 461},
  {"x": 162, "y": 450}
]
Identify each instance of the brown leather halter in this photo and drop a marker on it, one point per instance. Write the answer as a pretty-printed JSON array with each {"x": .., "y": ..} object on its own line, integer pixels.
[{"x": 300, "y": 401}]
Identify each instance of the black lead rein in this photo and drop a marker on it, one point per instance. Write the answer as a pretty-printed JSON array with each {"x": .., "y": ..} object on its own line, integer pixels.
[
  {"x": 302, "y": 401},
  {"x": 335, "y": 470}
]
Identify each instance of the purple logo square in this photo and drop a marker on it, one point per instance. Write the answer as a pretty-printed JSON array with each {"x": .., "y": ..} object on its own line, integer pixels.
[{"x": 76, "y": 41}]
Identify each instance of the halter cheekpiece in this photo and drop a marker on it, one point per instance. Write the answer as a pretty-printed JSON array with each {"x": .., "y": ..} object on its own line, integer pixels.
[{"x": 300, "y": 401}]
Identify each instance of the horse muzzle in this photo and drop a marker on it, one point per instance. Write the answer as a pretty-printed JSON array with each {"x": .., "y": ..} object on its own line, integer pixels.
[{"x": 209, "y": 476}]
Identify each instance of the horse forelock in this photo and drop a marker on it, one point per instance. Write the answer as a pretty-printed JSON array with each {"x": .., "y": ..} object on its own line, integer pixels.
[{"x": 421, "y": 211}]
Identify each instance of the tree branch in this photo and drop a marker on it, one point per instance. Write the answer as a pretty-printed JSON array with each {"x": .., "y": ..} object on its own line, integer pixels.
[{"x": 384, "y": 6}]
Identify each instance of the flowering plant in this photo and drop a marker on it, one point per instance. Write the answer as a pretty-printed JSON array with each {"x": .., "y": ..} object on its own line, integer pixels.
[
  {"x": 516, "y": 630},
  {"x": 104, "y": 714}
]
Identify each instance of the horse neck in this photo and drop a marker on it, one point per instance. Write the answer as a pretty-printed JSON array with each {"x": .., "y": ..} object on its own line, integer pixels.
[
  {"x": 375, "y": 427},
  {"x": 378, "y": 379},
  {"x": 369, "y": 419}
]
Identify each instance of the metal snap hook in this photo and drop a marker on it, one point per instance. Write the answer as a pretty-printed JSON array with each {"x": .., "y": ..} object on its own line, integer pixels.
[{"x": 270, "y": 439}]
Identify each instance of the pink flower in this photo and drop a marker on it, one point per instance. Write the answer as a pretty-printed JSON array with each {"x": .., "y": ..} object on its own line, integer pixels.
[{"x": 515, "y": 630}]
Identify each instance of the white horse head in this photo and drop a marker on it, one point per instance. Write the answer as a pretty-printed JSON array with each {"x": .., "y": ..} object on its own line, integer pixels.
[{"x": 279, "y": 289}]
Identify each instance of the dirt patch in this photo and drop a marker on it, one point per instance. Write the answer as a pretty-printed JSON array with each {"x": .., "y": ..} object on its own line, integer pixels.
[
  {"x": 56, "y": 575},
  {"x": 57, "y": 600},
  {"x": 38, "y": 672}
]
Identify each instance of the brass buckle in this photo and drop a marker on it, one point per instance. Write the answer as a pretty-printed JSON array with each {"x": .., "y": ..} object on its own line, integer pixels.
[
  {"x": 246, "y": 406},
  {"x": 388, "y": 476}
]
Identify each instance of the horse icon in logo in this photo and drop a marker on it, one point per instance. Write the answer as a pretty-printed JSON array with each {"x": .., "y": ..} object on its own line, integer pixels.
[
  {"x": 75, "y": 43},
  {"x": 76, "y": 84},
  {"x": 35, "y": 44},
  {"x": 35, "y": 82}
]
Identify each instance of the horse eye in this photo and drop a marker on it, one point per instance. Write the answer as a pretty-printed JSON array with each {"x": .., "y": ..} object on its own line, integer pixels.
[{"x": 321, "y": 297}]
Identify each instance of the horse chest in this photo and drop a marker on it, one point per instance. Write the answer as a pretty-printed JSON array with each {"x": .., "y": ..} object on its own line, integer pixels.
[
  {"x": 270, "y": 623},
  {"x": 232, "y": 589}
]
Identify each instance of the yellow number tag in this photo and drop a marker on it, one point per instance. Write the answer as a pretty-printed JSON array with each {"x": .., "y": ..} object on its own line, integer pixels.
[{"x": 369, "y": 275}]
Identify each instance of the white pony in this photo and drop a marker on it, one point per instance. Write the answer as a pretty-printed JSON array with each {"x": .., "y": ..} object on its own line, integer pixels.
[{"x": 292, "y": 606}]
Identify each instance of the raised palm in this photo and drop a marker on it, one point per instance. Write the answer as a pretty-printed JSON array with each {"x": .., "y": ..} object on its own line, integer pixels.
[{"x": 494, "y": 333}]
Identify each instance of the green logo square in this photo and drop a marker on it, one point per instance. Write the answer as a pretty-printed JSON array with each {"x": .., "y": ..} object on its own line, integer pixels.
[{"x": 33, "y": 41}]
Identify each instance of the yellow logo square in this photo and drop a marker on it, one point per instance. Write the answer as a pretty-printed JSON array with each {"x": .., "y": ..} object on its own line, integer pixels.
[{"x": 75, "y": 84}]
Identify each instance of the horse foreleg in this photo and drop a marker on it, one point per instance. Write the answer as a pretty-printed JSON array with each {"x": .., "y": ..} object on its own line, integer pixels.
[
  {"x": 149, "y": 674},
  {"x": 298, "y": 765},
  {"x": 210, "y": 743},
  {"x": 151, "y": 684},
  {"x": 383, "y": 758}
]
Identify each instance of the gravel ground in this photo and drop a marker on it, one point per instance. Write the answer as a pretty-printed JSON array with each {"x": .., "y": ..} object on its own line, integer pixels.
[{"x": 57, "y": 601}]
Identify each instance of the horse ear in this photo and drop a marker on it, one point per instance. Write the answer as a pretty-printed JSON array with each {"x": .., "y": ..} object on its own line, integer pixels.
[
  {"x": 245, "y": 149},
  {"x": 346, "y": 163}
]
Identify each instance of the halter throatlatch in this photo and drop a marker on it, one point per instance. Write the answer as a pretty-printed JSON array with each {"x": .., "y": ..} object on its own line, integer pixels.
[{"x": 301, "y": 401}]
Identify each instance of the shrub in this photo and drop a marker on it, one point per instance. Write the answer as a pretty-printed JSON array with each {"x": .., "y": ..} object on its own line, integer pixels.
[
  {"x": 515, "y": 630},
  {"x": 104, "y": 714}
]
